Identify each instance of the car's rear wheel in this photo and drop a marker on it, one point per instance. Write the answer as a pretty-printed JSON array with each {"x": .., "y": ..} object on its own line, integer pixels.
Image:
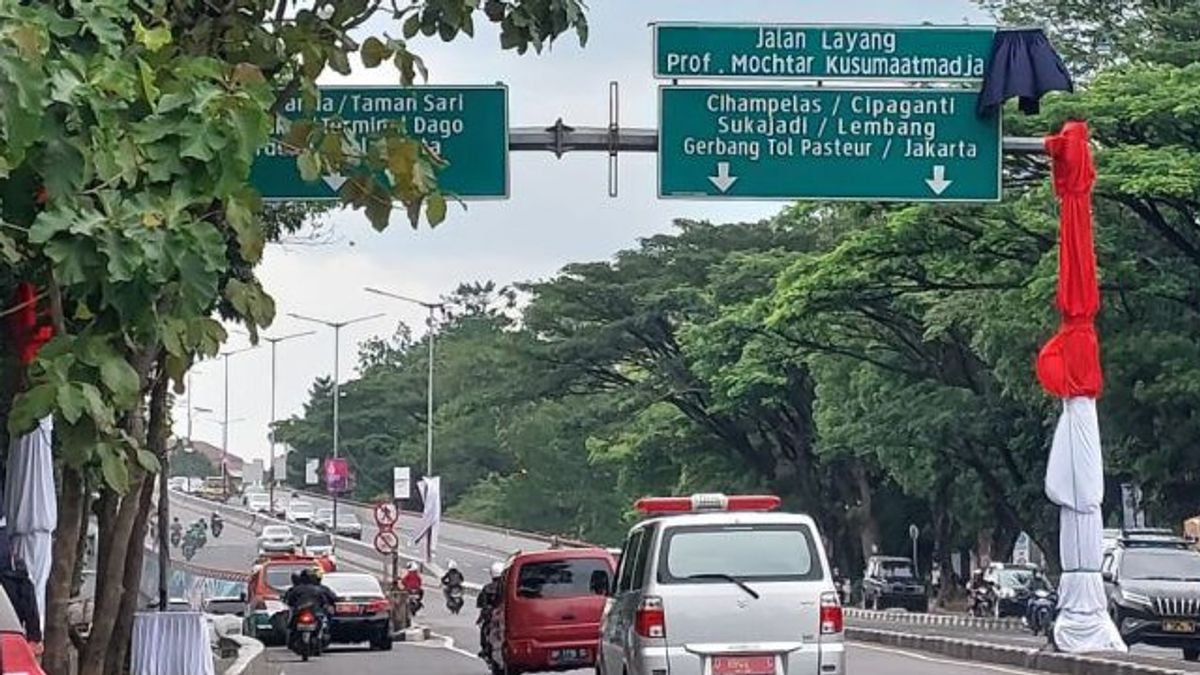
[{"x": 1191, "y": 654}]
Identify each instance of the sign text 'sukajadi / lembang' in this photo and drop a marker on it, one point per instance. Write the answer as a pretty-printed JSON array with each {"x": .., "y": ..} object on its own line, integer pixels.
[{"x": 912, "y": 53}]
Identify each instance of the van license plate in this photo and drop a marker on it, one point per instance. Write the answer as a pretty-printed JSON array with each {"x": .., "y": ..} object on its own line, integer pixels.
[
  {"x": 566, "y": 656},
  {"x": 744, "y": 665},
  {"x": 1179, "y": 627}
]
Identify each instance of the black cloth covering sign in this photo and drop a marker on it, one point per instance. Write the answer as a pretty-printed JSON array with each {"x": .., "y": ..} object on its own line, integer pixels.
[{"x": 1024, "y": 64}]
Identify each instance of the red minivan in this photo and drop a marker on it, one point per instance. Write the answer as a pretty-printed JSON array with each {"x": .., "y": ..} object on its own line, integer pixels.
[{"x": 548, "y": 617}]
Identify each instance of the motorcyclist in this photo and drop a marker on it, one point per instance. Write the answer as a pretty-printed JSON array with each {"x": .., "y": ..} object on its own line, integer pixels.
[
  {"x": 487, "y": 600},
  {"x": 307, "y": 591},
  {"x": 977, "y": 588},
  {"x": 411, "y": 582},
  {"x": 452, "y": 577},
  {"x": 218, "y": 523},
  {"x": 176, "y": 530}
]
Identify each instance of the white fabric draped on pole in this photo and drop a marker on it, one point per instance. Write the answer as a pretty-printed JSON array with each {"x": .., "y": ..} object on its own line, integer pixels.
[
  {"x": 1075, "y": 481},
  {"x": 30, "y": 504},
  {"x": 431, "y": 517},
  {"x": 171, "y": 643}
]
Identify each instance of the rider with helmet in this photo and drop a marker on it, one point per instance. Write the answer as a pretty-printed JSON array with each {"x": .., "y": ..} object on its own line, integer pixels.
[
  {"x": 411, "y": 582},
  {"x": 489, "y": 597},
  {"x": 307, "y": 591}
]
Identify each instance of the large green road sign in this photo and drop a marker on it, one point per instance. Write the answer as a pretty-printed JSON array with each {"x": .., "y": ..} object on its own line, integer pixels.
[
  {"x": 809, "y": 143},
  {"x": 467, "y": 126},
  {"x": 828, "y": 52}
]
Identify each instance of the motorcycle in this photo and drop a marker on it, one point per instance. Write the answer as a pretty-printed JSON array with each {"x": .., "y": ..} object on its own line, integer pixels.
[
  {"x": 1040, "y": 614},
  {"x": 218, "y": 524},
  {"x": 189, "y": 550},
  {"x": 454, "y": 598},
  {"x": 176, "y": 536},
  {"x": 304, "y": 638},
  {"x": 415, "y": 603},
  {"x": 983, "y": 602}
]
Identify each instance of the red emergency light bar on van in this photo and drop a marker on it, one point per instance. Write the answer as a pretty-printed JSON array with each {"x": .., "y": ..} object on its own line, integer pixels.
[{"x": 707, "y": 502}]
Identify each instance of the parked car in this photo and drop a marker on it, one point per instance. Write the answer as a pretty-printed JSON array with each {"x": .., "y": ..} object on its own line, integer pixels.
[
  {"x": 300, "y": 511},
  {"x": 1013, "y": 586},
  {"x": 362, "y": 613},
  {"x": 317, "y": 544},
  {"x": 323, "y": 518},
  {"x": 714, "y": 584},
  {"x": 275, "y": 539},
  {"x": 348, "y": 525},
  {"x": 1154, "y": 595},
  {"x": 548, "y": 611},
  {"x": 178, "y": 483},
  {"x": 891, "y": 581}
]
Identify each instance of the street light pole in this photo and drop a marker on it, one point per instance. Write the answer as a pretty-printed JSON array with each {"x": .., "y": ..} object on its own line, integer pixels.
[
  {"x": 274, "y": 343},
  {"x": 225, "y": 424},
  {"x": 431, "y": 306},
  {"x": 337, "y": 327}
]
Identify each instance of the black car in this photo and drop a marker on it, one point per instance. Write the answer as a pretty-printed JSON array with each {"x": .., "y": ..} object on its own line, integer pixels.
[
  {"x": 1013, "y": 586},
  {"x": 363, "y": 612},
  {"x": 892, "y": 582},
  {"x": 1154, "y": 595}
]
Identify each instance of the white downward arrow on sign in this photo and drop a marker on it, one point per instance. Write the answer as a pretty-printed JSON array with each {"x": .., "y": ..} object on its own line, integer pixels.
[
  {"x": 335, "y": 181},
  {"x": 938, "y": 183},
  {"x": 723, "y": 180}
]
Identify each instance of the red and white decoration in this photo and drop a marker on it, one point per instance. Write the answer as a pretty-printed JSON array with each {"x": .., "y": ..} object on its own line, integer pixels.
[{"x": 1069, "y": 368}]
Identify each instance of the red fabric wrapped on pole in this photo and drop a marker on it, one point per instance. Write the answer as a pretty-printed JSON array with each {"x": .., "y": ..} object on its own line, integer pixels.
[
  {"x": 1069, "y": 364},
  {"x": 27, "y": 335}
]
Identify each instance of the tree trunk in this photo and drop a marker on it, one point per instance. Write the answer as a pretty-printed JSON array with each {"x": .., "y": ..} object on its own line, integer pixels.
[
  {"x": 942, "y": 530},
  {"x": 81, "y": 546},
  {"x": 71, "y": 516},
  {"x": 864, "y": 513},
  {"x": 110, "y": 578},
  {"x": 123, "y": 628},
  {"x": 156, "y": 440}
]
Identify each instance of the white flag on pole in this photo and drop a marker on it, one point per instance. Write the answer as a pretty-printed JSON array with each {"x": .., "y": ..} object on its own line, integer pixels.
[{"x": 431, "y": 517}]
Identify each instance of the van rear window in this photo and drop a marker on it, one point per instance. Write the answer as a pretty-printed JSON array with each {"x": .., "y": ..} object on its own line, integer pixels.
[
  {"x": 569, "y": 578},
  {"x": 705, "y": 554}
]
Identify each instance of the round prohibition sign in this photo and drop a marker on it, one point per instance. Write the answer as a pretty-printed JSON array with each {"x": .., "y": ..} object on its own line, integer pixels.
[
  {"x": 387, "y": 542},
  {"x": 386, "y": 515}
]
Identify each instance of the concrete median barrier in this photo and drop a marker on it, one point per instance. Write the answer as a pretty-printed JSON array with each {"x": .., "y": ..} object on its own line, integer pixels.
[
  {"x": 1017, "y": 657},
  {"x": 925, "y": 619}
]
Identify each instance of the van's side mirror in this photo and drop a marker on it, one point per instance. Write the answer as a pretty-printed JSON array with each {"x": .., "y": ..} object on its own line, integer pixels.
[
  {"x": 1108, "y": 576},
  {"x": 242, "y": 596}
]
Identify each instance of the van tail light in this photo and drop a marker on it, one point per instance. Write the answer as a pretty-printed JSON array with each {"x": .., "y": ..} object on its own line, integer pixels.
[
  {"x": 650, "y": 620},
  {"x": 831, "y": 614}
]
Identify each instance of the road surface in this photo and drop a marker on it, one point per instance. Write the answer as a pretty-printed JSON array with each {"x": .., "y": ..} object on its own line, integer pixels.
[{"x": 454, "y": 638}]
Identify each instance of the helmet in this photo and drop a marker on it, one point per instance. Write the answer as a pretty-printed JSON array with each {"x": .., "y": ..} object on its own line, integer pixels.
[
  {"x": 297, "y": 578},
  {"x": 497, "y": 569},
  {"x": 451, "y": 565},
  {"x": 316, "y": 573},
  {"x": 412, "y": 567}
]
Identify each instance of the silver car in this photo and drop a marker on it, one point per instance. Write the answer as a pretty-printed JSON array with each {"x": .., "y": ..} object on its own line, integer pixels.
[
  {"x": 276, "y": 539},
  {"x": 714, "y": 585}
]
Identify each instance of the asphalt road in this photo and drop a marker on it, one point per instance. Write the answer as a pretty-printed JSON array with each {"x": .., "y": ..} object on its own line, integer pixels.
[{"x": 473, "y": 549}]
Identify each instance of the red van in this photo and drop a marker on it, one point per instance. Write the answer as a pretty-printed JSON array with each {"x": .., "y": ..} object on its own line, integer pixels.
[{"x": 548, "y": 616}]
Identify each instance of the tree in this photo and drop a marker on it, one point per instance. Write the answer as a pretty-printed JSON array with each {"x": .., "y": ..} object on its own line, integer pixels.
[
  {"x": 191, "y": 465},
  {"x": 126, "y": 137}
]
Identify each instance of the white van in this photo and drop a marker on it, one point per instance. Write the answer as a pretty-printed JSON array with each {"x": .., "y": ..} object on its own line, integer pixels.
[{"x": 716, "y": 585}]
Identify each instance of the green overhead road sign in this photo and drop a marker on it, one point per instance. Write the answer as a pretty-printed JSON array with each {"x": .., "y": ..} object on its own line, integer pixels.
[
  {"x": 467, "y": 126},
  {"x": 826, "y": 52},
  {"x": 810, "y": 143}
]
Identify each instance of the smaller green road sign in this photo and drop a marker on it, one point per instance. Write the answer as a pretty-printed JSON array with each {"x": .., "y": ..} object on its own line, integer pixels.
[
  {"x": 810, "y": 143},
  {"x": 827, "y": 52},
  {"x": 467, "y": 126}
]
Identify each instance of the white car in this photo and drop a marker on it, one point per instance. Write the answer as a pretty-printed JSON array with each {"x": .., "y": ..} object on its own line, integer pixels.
[
  {"x": 317, "y": 544},
  {"x": 300, "y": 512},
  {"x": 258, "y": 502},
  {"x": 276, "y": 539},
  {"x": 716, "y": 584},
  {"x": 178, "y": 483}
]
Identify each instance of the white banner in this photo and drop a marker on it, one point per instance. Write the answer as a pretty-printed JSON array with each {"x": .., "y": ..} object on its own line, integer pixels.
[
  {"x": 311, "y": 468},
  {"x": 431, "y": 518}
]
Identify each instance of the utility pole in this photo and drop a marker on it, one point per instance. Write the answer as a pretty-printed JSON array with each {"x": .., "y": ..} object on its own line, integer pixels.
[
  {"x": 225, "y": 424},
  {"x": 275, "y": 342},
  {"x": 431, "y": 306},
  {"x": 337, "y": 327}
]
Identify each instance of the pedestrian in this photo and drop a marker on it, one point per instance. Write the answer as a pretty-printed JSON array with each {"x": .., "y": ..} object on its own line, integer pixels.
[{"x": 14, "y": 578}]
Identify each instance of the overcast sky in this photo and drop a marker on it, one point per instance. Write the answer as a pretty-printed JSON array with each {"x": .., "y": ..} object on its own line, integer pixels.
[{"x": 558, "y": 212}]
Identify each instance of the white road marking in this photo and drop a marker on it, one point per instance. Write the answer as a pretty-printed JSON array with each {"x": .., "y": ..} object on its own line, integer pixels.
[
  {"x": 447, "y": 643},
  {"x": 931, "y": 659}
]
